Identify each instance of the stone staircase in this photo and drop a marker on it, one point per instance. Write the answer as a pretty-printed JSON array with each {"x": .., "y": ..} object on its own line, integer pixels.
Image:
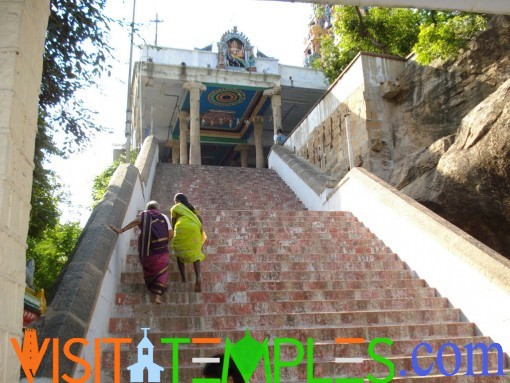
[{"x": 283, "y": 272}]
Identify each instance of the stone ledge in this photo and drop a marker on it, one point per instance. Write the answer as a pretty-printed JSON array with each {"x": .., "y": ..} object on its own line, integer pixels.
[
  {"x": 144, "y": 160},
  {"x": 79, "y": 284},
  {"x": 317, "y": 180}
]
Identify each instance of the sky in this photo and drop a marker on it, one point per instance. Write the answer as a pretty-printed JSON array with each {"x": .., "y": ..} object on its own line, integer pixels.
[{"x": 278, "y": 29}]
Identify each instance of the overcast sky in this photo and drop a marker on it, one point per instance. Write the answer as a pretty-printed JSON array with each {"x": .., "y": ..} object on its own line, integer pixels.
[{"x": 278, "y": 29}]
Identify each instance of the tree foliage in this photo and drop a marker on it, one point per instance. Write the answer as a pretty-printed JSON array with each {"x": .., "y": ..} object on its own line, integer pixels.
[
  {"x": 45, "y": 188},
  {"x": 393, "y": 31},
  {"x": 102, "y": 180},
  {"x": 76, "y": 52},
  {"x": 444, "y": 37},
  {"x": 51, "y": 252}
]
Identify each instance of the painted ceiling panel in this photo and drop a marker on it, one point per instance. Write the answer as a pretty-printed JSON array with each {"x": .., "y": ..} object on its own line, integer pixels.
[{"x": 226, "y": 111}]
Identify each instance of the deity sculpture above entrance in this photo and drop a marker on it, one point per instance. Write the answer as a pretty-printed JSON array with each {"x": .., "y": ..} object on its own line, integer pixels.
[{"x": 235, "y": 52}]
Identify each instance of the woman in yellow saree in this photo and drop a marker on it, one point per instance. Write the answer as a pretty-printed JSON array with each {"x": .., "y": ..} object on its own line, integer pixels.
[{"x": 189, "y": 237}]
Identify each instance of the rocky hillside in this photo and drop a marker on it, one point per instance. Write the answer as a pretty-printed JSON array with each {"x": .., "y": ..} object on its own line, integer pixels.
[{"x": 452, "y": 137}]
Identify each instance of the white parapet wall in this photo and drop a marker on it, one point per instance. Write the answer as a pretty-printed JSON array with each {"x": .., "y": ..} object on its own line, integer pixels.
[{"x": 473, "y": 277}]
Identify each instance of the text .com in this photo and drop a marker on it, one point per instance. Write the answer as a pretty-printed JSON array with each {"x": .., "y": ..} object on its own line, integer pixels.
[{"x": 248, "y": 354}]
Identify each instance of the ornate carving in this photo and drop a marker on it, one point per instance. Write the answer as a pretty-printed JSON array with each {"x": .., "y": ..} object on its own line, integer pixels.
[{"x": 235, "y": 52}]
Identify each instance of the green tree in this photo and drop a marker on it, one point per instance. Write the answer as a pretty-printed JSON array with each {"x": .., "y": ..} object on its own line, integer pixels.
[
  {"x": 382, "y": 30},
  {"x": 393, "y": 31},
  {"x": 45, "y": 188},
  {"x": 102, "y": 180},
  {"x": 76, "y": 52},
  {"x": 51, "y": 252}
]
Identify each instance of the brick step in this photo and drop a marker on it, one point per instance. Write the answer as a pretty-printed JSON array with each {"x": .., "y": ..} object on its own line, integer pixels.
[
  {"x": 348, "y": 259},
  {"x": 274, "y": 240},
  {"x": 330, "y": 369},
  {"x": 301, "y": 241},
  {"x": 179, "y": 292},
  {"x": 397, "y": 331},
  {"x": 324, "y": 221},
  {"x": 400, "y": 352},
  {"x": 289, "y": 307},
  {"x": 322, "y": 350},
  {"x": 227, "y": 287},
  {"x": 244, "y": 204},
  {"x": 212, "y": 264},
  {"x": 290, "y": 233},
  {"x": 452, "y": 379},
  {"x": 327, "y": 248},
  {"x": 267, "y": 215},
  {"x": 271, "y": 321},
  {"x": 288, "y": 266},
  {"x": 132, "y": 258},
  {"x": 235, "y": 195},
  {"x": 403, "y": 365},
  {"x": 283, "y": 227},
  {"x": 190, "y": 179},
  {"x": 254, "y": 276},
  {"x": 184, "y": 174},
  {"x": 333, "y": 248},
  {"x": 268, "y": 218},
  {"x": 305, "y": 236}
]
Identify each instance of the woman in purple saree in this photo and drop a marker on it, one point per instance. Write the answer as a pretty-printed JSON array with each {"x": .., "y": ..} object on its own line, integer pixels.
[{"x": 155, "y": 232}]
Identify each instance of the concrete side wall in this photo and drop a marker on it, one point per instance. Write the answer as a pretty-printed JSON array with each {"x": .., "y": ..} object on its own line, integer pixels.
[
  {"x": 379, "y": 73},
  {"x": 473, "y": 277},
  {"x": 146, "y": 163},
  {"x": 325, "y": 136},
  {"x": 22, "y": 31},
  {"x": 350, "y": 81},
  {"x": 303, "y": 177},
  {"x": 175, "y": 56},
  {"x": 302, "y": 77},
  {"x": 85, "y": 290}
]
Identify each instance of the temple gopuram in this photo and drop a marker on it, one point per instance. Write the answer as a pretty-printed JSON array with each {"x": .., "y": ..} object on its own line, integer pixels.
[{"x": 219, "y": 106}]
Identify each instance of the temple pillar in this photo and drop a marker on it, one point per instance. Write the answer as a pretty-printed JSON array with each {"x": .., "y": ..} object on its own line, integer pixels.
[
  {"x": 258, "y": 124},
  {"x": 175, "y": 146},
  {"x": 183, "y": 136},
  {"x": 243, "y": 150},
  {"x": 22, "y": 35},
  {"x": 276, "y": 106},
  {"x": 194, "y": 88}
]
